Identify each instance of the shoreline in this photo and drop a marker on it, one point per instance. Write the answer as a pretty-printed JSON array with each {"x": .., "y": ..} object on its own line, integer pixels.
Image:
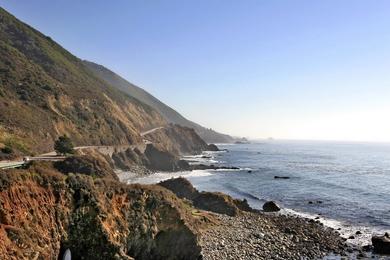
[
  {"x": 345, "y": 228},
  {"x": 358, "y": 237},
  {"x": 342, "y": 229}
]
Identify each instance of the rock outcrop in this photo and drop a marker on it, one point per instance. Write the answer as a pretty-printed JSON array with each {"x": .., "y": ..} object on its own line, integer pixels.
[
  {"x": 181, "y": 187},
  {"x": 212, "y": 147},
  {"x": 44, "y": 212},
  {"x": 160, "y": 160},
  {"x": 87, "y": 165},
  {"x": 210, "y": 201}
]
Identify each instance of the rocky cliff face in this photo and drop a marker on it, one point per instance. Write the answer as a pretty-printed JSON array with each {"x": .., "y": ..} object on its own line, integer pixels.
[
  {"x": 163, "y": 151},
  {"x": 44, "y": 212},
  {"x": 177, "y": 140}
]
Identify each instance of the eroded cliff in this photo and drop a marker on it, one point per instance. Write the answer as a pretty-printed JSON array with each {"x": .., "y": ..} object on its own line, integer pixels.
[{"x": 43, "y": 212}]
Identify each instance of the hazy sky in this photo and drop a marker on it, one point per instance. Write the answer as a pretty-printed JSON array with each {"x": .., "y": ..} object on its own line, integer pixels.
[{"x": 286, "y": 69}]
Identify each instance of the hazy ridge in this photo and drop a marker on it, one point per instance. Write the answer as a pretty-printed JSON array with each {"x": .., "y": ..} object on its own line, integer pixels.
[{"x": 167, "y": 112}]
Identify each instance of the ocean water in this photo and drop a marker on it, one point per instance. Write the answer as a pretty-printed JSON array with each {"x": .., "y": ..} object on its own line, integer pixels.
[{"x": 347, "y": 183}]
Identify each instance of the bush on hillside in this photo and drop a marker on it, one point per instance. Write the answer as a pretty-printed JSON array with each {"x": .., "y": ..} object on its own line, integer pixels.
[{"x": 63, "y": 145}]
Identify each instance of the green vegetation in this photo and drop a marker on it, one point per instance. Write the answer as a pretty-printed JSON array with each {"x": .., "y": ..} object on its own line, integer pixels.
[
  {"x": 63, "y": 145},
  {"x": 12, "y": 144},
  {"x": 7, "y": 150}
]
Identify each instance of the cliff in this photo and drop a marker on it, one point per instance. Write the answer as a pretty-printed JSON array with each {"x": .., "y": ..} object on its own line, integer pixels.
[
  {"x": 163, "y": 151},
  {"x": 44, "y": 212},
  {"x": 177, "y": 140}
]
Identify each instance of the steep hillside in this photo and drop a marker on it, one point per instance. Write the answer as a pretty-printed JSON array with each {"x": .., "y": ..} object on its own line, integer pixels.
[
  {"x": 177, "y": 140},
  {"x": 167, "y": 112},
  {"x": 45, "y": 92}
]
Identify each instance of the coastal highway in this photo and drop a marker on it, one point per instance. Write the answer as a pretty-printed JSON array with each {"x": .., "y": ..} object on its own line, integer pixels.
[
  {"x": 17, "y": 164},
  {"x": 52, "y": 156},
  {"x": 151, "y": 130}
]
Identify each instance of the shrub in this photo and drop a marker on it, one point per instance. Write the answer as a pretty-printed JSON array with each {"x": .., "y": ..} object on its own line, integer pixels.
[{"x": 63, "y": 145}]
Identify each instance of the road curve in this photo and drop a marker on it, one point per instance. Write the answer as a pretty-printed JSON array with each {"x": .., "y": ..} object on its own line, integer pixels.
[
  {"x": 151, "y": 130},
  {"x": 52, "y": 156}
]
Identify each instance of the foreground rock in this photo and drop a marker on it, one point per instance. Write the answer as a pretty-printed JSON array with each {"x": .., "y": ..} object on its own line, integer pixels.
[
  {"x": 381, "y": 244},
  {"x": 271, "y": 206},
  {"x": 44, "y": 212},
  {"x": 210, "y": 201}
]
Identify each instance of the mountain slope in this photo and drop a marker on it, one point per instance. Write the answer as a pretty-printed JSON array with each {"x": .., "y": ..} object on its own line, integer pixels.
[
  {"x": 167, "y": 112},
  {"x": 45, "y": 92}
]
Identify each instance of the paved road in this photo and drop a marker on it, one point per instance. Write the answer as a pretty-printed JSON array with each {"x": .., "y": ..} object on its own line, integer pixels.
[
  {"x": 52, "y": 156},
  {"x": 151, "y": 130},
  {"x": 10, "y": 165}
]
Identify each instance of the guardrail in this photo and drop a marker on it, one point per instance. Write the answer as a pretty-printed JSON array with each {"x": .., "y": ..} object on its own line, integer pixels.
[{"x": 17, "y": 164}]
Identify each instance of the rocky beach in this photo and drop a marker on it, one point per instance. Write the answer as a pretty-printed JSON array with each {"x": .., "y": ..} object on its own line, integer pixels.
[
  {"x": 240, "y": 232},
  {"x": 264, "y": 236}
]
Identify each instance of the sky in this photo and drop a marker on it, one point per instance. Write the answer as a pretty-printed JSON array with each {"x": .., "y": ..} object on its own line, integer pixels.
[{"x": 284, "y": 69}]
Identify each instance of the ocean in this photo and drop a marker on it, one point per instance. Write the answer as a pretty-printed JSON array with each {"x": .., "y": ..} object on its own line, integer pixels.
[{"x": 345, "y": 185}]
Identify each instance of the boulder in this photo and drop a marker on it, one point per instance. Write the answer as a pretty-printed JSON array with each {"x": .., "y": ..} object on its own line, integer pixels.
[
  {"x": 381, "y": 244},
  {"x": 216, "y": 202},
  {"x": 271, "y": 206}
]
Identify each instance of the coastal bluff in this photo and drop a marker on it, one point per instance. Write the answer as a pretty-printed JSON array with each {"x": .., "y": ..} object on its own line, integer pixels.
[{"x": 43, "y": 212}]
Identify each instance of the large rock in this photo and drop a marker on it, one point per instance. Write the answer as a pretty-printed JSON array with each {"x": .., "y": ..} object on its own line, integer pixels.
[
  {"x": 181, "y": 187},
  {"x": 381, "y": 244},
  {"x": 88, "y": 165},
  {"x": 216, "y": 202},
  {"x": 210, "y": 201},
  {"x": 162, "y": 160},
  {"x": 271, "y": 206},
  {"x": 212, "y": 147}
]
